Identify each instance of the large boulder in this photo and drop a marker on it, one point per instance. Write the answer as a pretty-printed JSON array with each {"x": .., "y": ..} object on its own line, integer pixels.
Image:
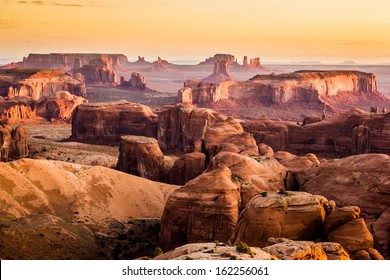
[
  {"x": 285, "y": 249},
  {"x": 141, "y": 156},
  {"x": 186, "y": 168},
  {"x": 204, "y": 210},
  {"x": 292, "y": 215},
  {"x": 255, "y": 175}
]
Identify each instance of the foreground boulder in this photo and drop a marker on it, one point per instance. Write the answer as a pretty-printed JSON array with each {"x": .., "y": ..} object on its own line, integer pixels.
[
  {"x": 214, "y": 251},
  {"x": 141, "y": 156},
  {"x": 204, "y": 210},
  {"x": 107, "y": 122},
  {"x": 292, "y": 215}
]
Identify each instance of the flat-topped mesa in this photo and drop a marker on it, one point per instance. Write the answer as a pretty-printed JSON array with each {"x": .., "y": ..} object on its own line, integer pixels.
[
  {"x": 66, "y": 61},
  {"x": 104, "y": 123},
  {"x": 97, "y": 72},
  {"x": 36, "y": 83},
  {"x": 141, "y": 156},
  {"x": 136, "y": 81},
  {"x": 230, "y": 59}
]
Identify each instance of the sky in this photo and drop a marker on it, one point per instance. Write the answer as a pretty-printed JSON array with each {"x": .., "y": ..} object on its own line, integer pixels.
[{"x": 274, "y": 30}]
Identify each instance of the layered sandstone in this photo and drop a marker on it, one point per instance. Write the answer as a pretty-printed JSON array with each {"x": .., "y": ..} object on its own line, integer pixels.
[
  {"x": 204, "y": 210},
  {"x": 66, "y": 61},
  {"x": 141, "y": 156},
  {"x": 97, "y": 72},
  {"x": 106, "y": 122},
  {"x": 203, "y": 91},
  {"x": 292, "y": 215},
  {"x": 60, "y": 106},
  {"x": 352, "y": 132},
  {"x": 13, "y": 142},
  {"x": 186, "y": 168},
  {"x": 36, "y": 83},
  {"x": 17, "y": 108},
  {"x": 218, "y": 57}
]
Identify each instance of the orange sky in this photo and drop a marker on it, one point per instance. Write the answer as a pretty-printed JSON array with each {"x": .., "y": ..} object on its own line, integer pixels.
[{"x": 275, "y": 30}]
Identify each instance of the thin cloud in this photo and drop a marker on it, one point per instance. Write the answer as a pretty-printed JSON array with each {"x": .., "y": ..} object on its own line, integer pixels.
[
  {"x": 61, "y": 4},
  {"x": 8, "y": 24},
  {"x": 359, "y": 43}
]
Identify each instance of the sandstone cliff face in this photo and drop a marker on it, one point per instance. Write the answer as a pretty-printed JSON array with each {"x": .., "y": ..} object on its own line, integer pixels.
[
  {"x": 203, "y": 92},
  {"x": 186, "y": 168},
  {"x": 204, "y": 210},
  {"x": 141, "y": 156},
  {"x": 106, "y": 122},
  {"x": 294, "y": 215},
  {"x": 17, "y": 108},
  {"x": 13, "y": 142},
  {"x": 212, "y": 60},
  {"x": 97, "y": 72},
  {"x": 66, "y": 62},
  {"x": 352, "y": 132},
  {"x": 39, "y": 83},
  {"x": 60, "y": 106}
]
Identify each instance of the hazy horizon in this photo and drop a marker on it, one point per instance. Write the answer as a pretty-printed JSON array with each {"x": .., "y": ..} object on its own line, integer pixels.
[{"x": 274, "y": 30}]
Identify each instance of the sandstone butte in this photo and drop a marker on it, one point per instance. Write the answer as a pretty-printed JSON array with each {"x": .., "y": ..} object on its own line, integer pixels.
[
  {"x": 304, "y": 87},
  {"x": 97, "y": 71}
]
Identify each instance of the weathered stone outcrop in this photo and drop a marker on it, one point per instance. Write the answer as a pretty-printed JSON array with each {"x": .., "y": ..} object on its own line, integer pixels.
[
  {"x": 159, "y": 66},
  {"x": 292, "y": 215},
  {"x": 17, "y": 108},
  {"x": 381, "y": 233},
  {"x": 136, "y": 81},
  {"x": 351, "y": 132},
  {"x": 183, "y": 127},
  {"x": 67, "y": 61},
  {"x": 141, "y": 156},
  {"x": 38, "y": 83},
  {"x": 97, "y": 72},
  {"x": 60, "y": 106},
  {"x": 255, "y": 175},
  {"x": 186, "y": 168},
  {"x": 213, "y": 251},
  {"x": 106, "y": 122},
  {"x": 184, "y": 95},
  {"x": 203, "y": 91},
  {"x": 221, "y": 72},
  {"x": 13, "y": 142},
  {"x": 204, "y": 210}
]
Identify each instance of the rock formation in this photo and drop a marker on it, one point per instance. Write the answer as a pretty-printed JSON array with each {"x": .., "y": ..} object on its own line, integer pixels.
[
  {"x": 67, "y": 61},
  {"x": 255, "y": 175},
  {"x": 204, "y": 210},
  {"x": 230, "y": 59},
  {"x": 97, "y": 72},
  {"x": 13, "y": 142},
  {"x": 17, "y": 108},
  {"x": 221, "y": 73},
  {"x": 136, "y": 81},
  {"x": 213, "y": 251},
  {"x": 141, "y": 156},
  {"x": 159, "y": 66},
  {"x": 184, "y": 95},
  {"x": 60, "y": 106},
  {"x": 352, "y": 132},
  {"x": 106, "y": 122},
  {"x": 292, "y": 215},
  {"x": 203, "y": 92},
  {"x": 38, "y": 83},
  {"x": 186, "y": 168}
]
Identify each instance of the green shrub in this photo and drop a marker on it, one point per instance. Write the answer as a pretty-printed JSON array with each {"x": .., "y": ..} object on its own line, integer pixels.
[
  {"x": 156, "y": 252},
  {"x": 243, "y": 248}
]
